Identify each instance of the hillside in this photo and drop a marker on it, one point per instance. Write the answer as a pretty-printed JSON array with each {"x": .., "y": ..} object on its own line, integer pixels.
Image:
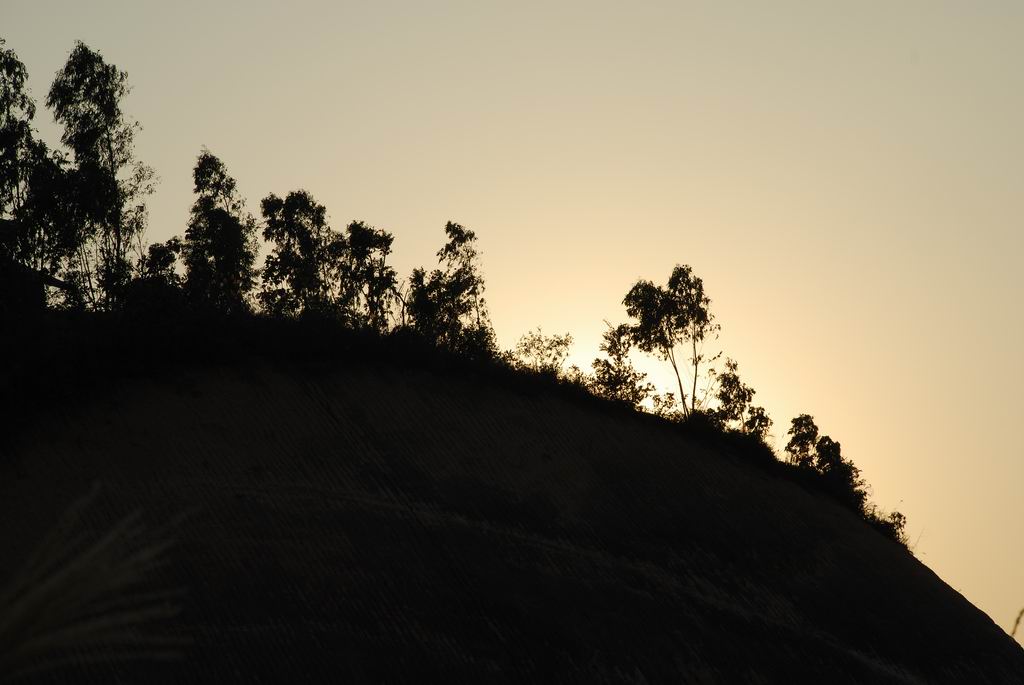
[{"x": 381, "y": 523}]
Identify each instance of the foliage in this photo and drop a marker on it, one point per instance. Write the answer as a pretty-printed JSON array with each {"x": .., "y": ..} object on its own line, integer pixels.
[
  {"x": 40, "y": 231},
  {"x": 314, "y": 269},
  {"x": 219, "y": 249},
  {"x": 892, "y": 525},
  {"x": 447, "y": 306},
  {"x": 16, "y": 142},
  {"x": 734, "y": 408},
  {"x": 664, "y": 405},
  {"x": 542, "y": 353},
  {"x": 822, "y": 457},
  {"x": 160, "y": 261},
  {"x": 109, "y": 186},
  {"x": 36, "y": 239},
  {"x": 301, "y": 273},
  {"x": 367, "y": 282},
  {"x": 615, "y": 378},
  {"x": 16, "y": 113},
  {"x": 820, "y": 453},
  {"x": 839, "y": 475},
  {"x": 803, "y": 437},
  {"x": 678, "y": 314},
  {"x": 157, "y": 289}
]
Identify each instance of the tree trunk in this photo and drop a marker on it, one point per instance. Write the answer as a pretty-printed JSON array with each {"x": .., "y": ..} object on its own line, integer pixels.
[
  {"x": 682, "y": 395},
  {"x": 693, "y": 397}
]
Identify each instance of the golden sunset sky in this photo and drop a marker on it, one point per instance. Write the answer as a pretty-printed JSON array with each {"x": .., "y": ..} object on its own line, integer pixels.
[{"x": 846, "y": 177}]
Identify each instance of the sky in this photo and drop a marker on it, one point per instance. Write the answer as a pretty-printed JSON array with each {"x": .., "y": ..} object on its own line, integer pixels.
[{"x": 847, "y": 178}]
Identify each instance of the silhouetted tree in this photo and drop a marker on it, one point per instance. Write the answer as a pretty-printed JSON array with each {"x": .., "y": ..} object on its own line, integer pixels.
[
  {"x": 823, "y": 455},
  {"x": 301, "y": 273},
  {"x": 160, "y": 262},
  {"x": 679, "y": 314},
  {"x": 36, "y": 239},
  {"x": 734, "y": 408},
  {"x": 158, "y": 287},
  {"x": 16, "y": 151},
  {"x": 615, "y": 378},
  {"x": 16, "y": 113},
  {"x": 666, "y": 406},
  {"x": 839, "y": 475},
  {"x": 733, "y": 395},
  {"x": 803, "y": 437},
  {"x": 109, "y": 186},
  {"x": 219, "y": 249},
  {"x": 447, "y": 306},
  {"x": 542, "y": 353},
  {"x": 367, "y": 282},
  {"x": 757, "y": 422}
]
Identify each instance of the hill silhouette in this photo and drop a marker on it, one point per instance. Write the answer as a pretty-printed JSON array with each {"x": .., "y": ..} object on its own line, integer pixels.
[{"x": 402, "y": 517}]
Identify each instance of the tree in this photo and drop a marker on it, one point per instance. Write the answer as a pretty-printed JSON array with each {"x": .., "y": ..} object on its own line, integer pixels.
[
  {"x": 16, "y": 142},
  {"x": 757, "y": 422},
  {"x": 840, "y": 476},
  {"x": 733, "y": 395},
  {"x": 157, "y": 288},
  {"x": 219, "y": 249},
  {"x": 679, "y": 314},
  {"x": 313, "y": 268},
  {"x": 35, "y": 236},
  {"x": 823, "y": 456},
  {"x": 542, "y": 353},
  {"x": 803, "y": 437},
  {"x": 666, "y": 406},
  {"x": 301, "y": 273},
  {"x": 367, "y": 281},
  {"x": 109, "y": 185},
  {"x": 615, "y": 378},
  {"x": 734, "y": 408},
  {"x": 447, "y": 306},
  {"x": 160, "y": 261}
]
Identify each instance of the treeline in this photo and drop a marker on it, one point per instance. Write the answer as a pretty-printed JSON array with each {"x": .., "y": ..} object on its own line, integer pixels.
[
  {"x": 675, "y": 323},
  {"x": 72, "y": 237}
]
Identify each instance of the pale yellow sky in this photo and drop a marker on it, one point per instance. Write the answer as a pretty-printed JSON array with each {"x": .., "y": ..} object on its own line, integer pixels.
[{"x": 846, "y": 177}]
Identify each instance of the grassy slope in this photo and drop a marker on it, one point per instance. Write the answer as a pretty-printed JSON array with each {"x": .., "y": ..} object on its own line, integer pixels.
[{"x": 365, "y": 524}]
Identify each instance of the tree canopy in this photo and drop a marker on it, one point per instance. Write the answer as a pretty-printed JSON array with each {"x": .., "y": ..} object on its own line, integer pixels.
[
  {"x": 301, "y": 273},
  {"x": 673, "y": 316},
  {"x": 367, "y": 281},
  {"x": 734, "y": 403},
  {"x": 109, "y": 187},
  {"x": 542, "y": 353},
  {"x": 219, "y": 249},
  {"x": 447, "y": 306},
  {"x": 615, "y": 377}
]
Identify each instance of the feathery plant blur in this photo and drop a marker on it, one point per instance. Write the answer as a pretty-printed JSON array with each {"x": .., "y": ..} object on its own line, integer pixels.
[{"x": 85, "y": 597}]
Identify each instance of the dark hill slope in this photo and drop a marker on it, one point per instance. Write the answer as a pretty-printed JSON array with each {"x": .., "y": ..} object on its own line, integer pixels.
[{"x": 387, "y": 525}]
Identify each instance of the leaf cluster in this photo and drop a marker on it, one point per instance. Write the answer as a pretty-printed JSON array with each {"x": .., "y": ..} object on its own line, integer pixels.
[
  {"x": 541, "y": 353},
  {"x": 615, "y": 377},
  {"x": 447, "y": 305}
]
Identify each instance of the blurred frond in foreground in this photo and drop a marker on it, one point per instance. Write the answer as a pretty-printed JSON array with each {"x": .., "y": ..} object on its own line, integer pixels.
[{"x": 84, "y": 597}]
